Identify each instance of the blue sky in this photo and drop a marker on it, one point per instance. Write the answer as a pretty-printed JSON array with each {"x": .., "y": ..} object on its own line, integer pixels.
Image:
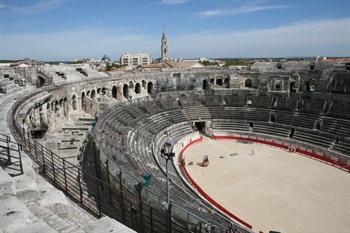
[{"x": 69, "y": 29}]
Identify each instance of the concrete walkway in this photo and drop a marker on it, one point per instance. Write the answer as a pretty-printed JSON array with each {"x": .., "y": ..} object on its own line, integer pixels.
[{"x": 28, "y": 203}]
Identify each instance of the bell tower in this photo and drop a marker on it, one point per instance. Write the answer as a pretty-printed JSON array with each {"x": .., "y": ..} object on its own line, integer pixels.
[{"x": 164, "y": 48}]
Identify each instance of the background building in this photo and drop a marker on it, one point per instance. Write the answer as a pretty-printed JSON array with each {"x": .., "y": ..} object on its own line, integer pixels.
[
  {"x": 164, "y": 48},
  {"x": 135, "y": 59}
]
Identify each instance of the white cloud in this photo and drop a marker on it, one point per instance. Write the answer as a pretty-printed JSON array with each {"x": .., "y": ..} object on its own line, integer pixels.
[
  {"x": 173, "y": 2},
  {"x": 322, "y": 37},
  {"x": 308, "y": 38},
  {"x": 40, "y": 6},
  {"x": 245, "y": 9}
]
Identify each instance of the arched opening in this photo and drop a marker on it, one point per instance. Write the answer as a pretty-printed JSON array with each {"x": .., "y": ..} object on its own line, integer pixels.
[
  {"x": 279, "y": 65},
  {"x": 98, "y": 90},
  {"x": 248, "y": 83},
  {"x": 227, "y": 82},
  {"x": 93, "y": 94},
  {"x": 219, "y": 81},
  {"x": 74, "y": 102},
  {"x": 40, "y": 82},
  {"x": 278, "y": 85},
  {"x": 103, "y": 91},
  {"x": 144, "y": 84},
  {"x": 211, "y": 81},
  {"x": 56, "y": 106},
  {"x": 273, "y": 117},
  {"x": 88, "y": 93},
  {"x": 292, "y": 88},
  {"x": 126, "y": 91},
  {"x": 83, "y": 101},
  {"x": 65, "y": 107},
  {"x": 137, "y": 88},
  {"x": 150, "y": 88},
  {"x": 131, "y": 84},
  {"x": 61, "y": 102},
  {"x": 114, "y": 92},
  {"x": 205, "y": 84}
]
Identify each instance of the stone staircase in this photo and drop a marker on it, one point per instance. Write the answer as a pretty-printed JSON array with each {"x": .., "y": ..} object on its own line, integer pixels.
[
  {"x": 7, "y": 85},
  {"x": 325, "y": 80},
  {"x": 28, "y": 203}
]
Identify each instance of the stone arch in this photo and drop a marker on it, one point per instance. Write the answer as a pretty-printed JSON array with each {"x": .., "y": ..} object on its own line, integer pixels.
[
  {"x": 40, "y": 82},
  {"x": 227, "y": 82},
  {"x": 248, "y": 83},
  {"x": 114, "y": 92},
  {"x": 83, "y": 101},
  {"x": 205, "y": 84},
  {"x": 137, "y": 88},
  {"x": 144, "y": 83},
  {"x": 65, "y": 107},
  {"x": 93, "y": 94},
  {"x": 56, "y": 106},
  {"x": 219, "y": 81},
  {"x": 74, "y": 102},
  {"x": 131, "y": 84},
  {"x": 150, "y": 88},
  {"x": 292, "y": 87},
  {"x": 88, "y": 93},
  {"x": 61, "y": 103},
  {"x": 98, "y": 90},
  {"x": 126, "y": 91}
]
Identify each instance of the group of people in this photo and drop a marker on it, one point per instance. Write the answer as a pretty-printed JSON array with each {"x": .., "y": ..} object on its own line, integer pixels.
[
  {"x": 209, "y": 228},
  {"x": 205, "y": 161}
]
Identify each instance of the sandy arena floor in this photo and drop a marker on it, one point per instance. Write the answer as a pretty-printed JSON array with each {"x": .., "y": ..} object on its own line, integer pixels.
[{"x": 273, "y": 189}]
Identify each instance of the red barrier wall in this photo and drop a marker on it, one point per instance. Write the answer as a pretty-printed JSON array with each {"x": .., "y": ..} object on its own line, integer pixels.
[
  {"x": 201, "y": 191},
  {"x": 314, "y": 155},
  {"x": 276, "y": 144}
]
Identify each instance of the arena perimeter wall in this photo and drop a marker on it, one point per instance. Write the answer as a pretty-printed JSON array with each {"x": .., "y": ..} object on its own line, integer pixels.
[
  {"x": 333, "y": 161},
  {"x": 200, "y": 190},
  {"x": 188, "y": 142}
]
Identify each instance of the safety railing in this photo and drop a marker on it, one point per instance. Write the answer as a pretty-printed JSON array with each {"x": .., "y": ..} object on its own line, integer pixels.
[
  {"x": 10, "y": 156},
  {"x": 111, "y": 195}
]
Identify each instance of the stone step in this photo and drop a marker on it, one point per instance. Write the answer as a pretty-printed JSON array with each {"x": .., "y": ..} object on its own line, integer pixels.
[
  {"x": 53, "y": 220},
  {"x": 7, "y": 184},
  {"x": 73, "y": 213},
  {"x": 86, "y": 119},
  {"x": 74, "y": 128}
]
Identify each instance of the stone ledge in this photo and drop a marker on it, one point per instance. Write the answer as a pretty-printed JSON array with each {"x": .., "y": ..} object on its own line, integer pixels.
[{"x": 7, "y": 184}]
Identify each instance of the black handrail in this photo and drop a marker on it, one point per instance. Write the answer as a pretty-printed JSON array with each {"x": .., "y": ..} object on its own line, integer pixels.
[{"x": 10, "y": 156}]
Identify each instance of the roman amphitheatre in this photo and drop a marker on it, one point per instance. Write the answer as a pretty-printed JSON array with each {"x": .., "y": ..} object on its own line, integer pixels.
[{"x": 264, "y": 148}]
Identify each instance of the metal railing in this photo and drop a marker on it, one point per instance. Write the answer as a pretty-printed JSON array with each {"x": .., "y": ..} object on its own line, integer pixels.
[
  {"x": 10, "y": 156},
  {"x": 110, "y": 195},
  {"x": 106, "y": 194}
]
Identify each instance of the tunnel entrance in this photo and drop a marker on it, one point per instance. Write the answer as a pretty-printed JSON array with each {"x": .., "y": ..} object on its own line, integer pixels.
[{"x": 200, "y": 126}]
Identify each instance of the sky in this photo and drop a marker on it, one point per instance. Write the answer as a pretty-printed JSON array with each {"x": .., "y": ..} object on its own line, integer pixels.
[{"x": 71, "y": 29}]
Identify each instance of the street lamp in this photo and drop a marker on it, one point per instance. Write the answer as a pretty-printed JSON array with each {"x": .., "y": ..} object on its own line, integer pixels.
[{"x": 168, "y": 154}]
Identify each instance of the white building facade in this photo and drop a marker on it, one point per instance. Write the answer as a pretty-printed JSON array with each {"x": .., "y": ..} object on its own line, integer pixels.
[{"x": 135, "y": 59}]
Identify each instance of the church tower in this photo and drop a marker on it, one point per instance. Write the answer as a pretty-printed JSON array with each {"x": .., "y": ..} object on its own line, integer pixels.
[{"x": 164, "y": 48}]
